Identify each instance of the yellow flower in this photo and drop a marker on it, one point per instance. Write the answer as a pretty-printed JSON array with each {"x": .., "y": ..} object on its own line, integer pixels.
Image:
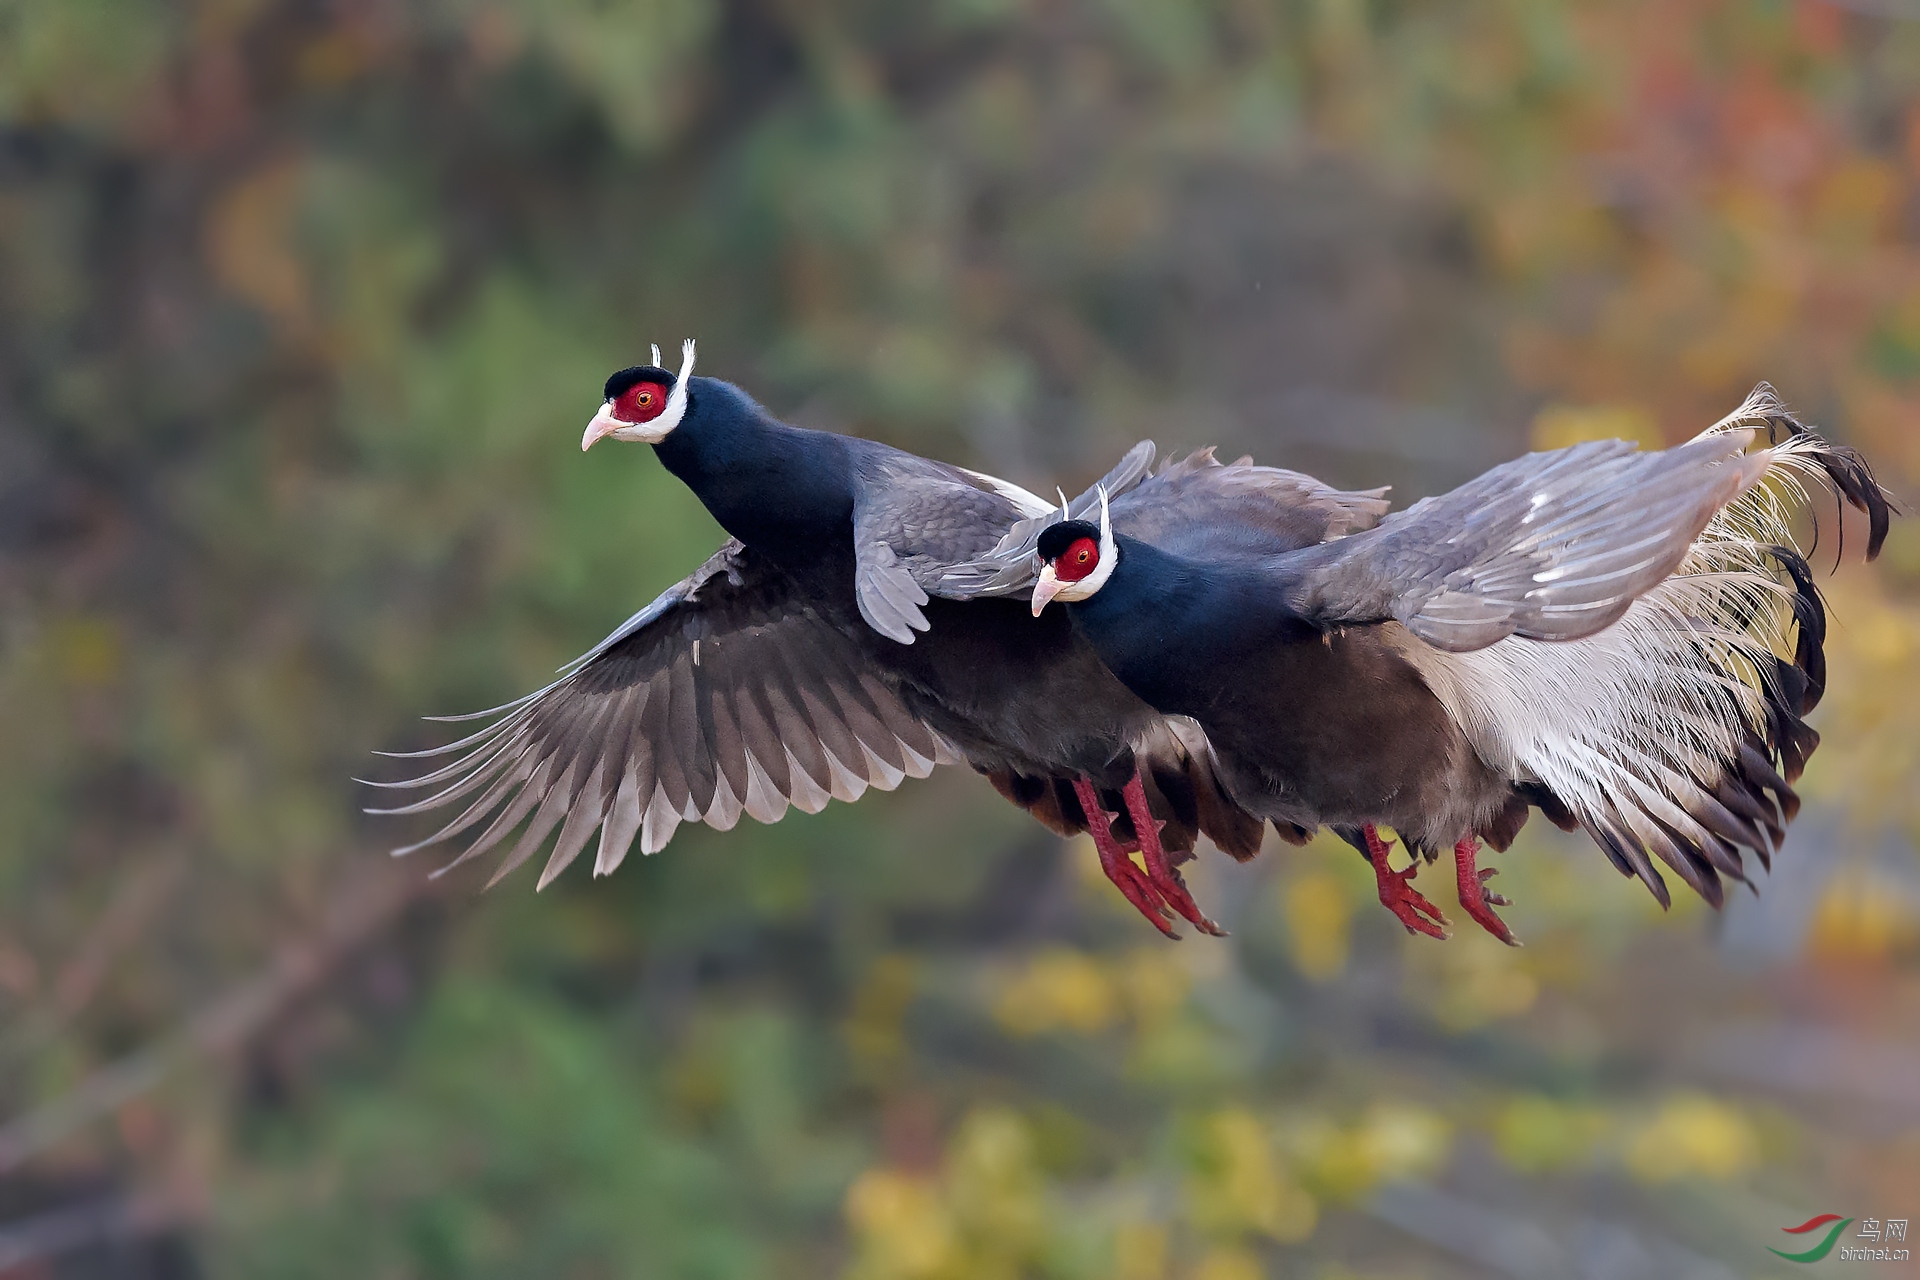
[
  {"x": 1481, "y": 982},
  {"x": 1240, "y": 1185},
  {"x": 1534, "y": 1134},
  {"x": 1229, "y": 1264},
  {"x": 994, "y": 1188},
  {"x": 1059, "y": 989},
  {"x": 1399, "y": 1140},
  {"x": 983, "y": 1218},
  {"x": 1153, "y": 985},
  {"x": 1139, "y": 1251},
  {"x": 1318, "y": 914},
  {"x": 1862, "y": 916},
  {"x": 1693, "y": 1135},
  {"x": 903, "y": 1230},
  {"x": 875, "y": 1026},
  {"x": 1391, "y": 1140}
]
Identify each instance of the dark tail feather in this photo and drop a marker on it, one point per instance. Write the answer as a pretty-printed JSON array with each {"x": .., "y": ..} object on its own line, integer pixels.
[
  {"x": 1852, "y": 477},
  {"x": 1750, "y": 802},
  {"x": 1500, "y": 830},
  {"x": 1688, "y": 861},
  {"x": 1188, "y": 757},
  {"x": 1295, "y": 834},
  {"x": 1745, "y": 801},
  {"x": 1624, "y": 852},
  {"x": 1810, "y": 619},
  {"x": 1039, "y": 797},
  {"x": 1728, "y": 825},
  {"x": 1759, "y": 774},
  {"x": 1550, "y": 805}
]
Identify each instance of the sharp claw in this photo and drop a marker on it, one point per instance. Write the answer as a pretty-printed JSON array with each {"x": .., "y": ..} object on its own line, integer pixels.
[
  {"x": 1477, "y": 900},
  {"x": 1411, "y": 907},
  {"x": 1397, "y": 893},
  {"x": 1160, "y": 873},
  {"x": 1133, "y": 884}
]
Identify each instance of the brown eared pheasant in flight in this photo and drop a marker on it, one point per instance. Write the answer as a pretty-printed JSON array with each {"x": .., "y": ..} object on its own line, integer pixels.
[
  {"x": 1626, "y": 640},
  {"x": 830, "y": 645}
]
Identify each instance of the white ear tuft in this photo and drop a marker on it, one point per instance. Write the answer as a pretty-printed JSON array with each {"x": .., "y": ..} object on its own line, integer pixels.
[
  {"x": 656, "y": 355},
  {"x": 661, "y": 427},
  {"x": 1109, "y": 555}
]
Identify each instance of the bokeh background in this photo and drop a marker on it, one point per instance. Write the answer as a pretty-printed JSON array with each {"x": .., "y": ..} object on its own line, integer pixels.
[{"x": 303, "y": 305}]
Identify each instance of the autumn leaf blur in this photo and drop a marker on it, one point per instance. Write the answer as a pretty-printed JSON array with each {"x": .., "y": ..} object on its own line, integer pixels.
[{"x": 302, "y": 308}]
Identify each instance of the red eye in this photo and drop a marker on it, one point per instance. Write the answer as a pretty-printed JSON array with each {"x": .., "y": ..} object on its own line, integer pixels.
[
  {"x": 641, "y": 402},
  {"x": 1081, "y": 559}
]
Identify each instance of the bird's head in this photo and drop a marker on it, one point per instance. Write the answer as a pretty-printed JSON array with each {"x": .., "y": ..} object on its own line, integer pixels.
[
  {"x": 1076, "y": 558},
  {"x": 644, "y": 403}
]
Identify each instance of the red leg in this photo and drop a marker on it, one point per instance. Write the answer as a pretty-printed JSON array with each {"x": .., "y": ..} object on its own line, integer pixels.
[
  {"x": 1128, "y": 878},
  {"x": 1160, "y": 871},
  {"x": 1479, "y": 900},
  {"x": 1397, "y": 893}
]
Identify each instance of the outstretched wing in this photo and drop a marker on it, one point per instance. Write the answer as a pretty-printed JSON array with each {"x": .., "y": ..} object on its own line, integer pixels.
[
  {"x": 1196, "y": 504},
  {"x": 727, "y": 695},
  {"x": 1551, "y": 546}
]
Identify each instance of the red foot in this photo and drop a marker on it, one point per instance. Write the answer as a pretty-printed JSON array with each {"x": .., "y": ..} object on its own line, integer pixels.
[
  {"x": 1478, "y": 900},
  {"x": 1397, "y": 893},
  {"x": 1128, "y": 878},
  {"x": 1160, "y": 870}
]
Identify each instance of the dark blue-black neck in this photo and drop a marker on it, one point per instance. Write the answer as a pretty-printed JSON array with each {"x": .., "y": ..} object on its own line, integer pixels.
[
  {"x": 784, "y": 491},
  {"x": 1168, "y": 626}
]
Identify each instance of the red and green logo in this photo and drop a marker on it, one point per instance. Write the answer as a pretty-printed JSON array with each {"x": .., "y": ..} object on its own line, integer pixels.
[{"x": 1825, "y": 1246}]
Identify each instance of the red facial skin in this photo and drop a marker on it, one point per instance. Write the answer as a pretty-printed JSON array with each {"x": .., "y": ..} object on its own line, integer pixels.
[
  {"x": 1080, "y": 559},
  {"x": 641, "y": 402}
]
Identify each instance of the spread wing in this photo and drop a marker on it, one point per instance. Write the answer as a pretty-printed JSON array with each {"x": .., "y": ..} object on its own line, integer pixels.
[
  {"x": 1194, "y": 506},
  {"x": 1552, "y": 546},
  {"x": 727, "y": 695}
]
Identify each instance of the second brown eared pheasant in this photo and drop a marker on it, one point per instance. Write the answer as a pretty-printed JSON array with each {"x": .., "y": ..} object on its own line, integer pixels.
[{"x": 1628, "y": 641}]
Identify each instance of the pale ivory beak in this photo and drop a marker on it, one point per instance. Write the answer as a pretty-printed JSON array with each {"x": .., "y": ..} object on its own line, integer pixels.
[
  {"x": 1046, "y": 589},
  {"x": 603, "y": 425}
]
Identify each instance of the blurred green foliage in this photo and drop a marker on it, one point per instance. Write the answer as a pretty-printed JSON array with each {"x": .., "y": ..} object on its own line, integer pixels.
[{"x": 302, "y": 304}]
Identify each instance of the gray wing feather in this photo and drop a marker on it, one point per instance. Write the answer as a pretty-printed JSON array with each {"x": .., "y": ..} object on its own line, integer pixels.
[
  {"x": 1198, "y": 504},
  {"x": 889, "y": 598},
  {"x": 1008, "y": 568},
  {"x": 1552, "y": 546},
  {"x": 726, "y": 695},
  {"x": 1194, "y": 501},
  {"x": 913, "y": 519}
]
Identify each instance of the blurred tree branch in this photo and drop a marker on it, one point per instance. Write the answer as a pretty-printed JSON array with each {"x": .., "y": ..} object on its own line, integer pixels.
[{"x": 372, "y": 896}]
